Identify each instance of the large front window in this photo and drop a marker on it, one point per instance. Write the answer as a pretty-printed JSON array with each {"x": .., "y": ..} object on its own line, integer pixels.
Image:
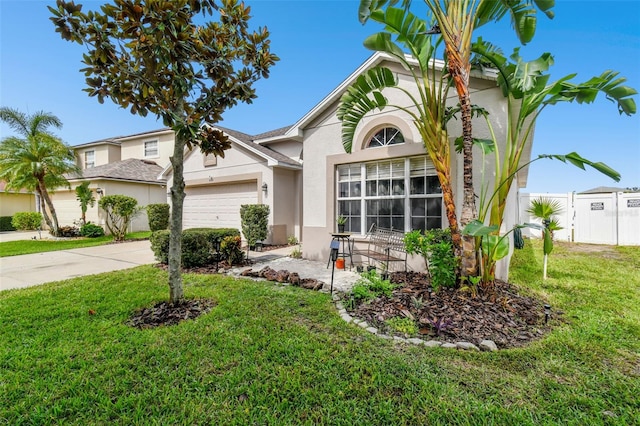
[{"x": 402, "y": 194}]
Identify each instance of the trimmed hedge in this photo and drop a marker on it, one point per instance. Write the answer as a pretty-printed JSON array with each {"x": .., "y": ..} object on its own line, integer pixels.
[
  {"x": 197, "y": 245},
  {"x": 27, "y": 221},
  {"x": 158, "y": 215},
  {"x": 5, "y": 223}
]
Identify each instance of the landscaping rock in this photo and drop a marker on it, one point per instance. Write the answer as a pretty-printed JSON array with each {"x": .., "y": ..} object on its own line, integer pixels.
[
  {"x": 372, "y": 330},
  {"x": 417, "y": 341},
  {"x": 488, "y": 345},
  {"x": 449, "y": 346},
  {"x": 467, "y": 346},
  {"x": 433, "y": 343},
  {"x": 294, "y": 278}
]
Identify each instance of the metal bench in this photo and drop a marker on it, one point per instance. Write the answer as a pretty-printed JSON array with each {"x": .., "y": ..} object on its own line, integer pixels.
[{"x": 384, "y": 246}]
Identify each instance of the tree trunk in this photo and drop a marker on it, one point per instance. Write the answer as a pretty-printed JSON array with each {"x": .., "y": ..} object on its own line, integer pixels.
[
  {"x": 43, "y": 208},
  {"x": 544, "y": 267},
  {"x": 53, "y": 223},
  {"x": 450, "y": 210},
  {"x": 460, "y": 76},
  {"x": 176, "y": 293}
]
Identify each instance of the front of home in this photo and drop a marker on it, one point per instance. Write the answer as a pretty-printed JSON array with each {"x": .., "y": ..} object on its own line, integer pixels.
[{"x": 304, "y": 175}]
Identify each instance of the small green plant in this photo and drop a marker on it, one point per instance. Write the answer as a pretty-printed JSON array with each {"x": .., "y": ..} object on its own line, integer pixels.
[
  {"x": 417, "y": 303},
  {"x": 231, "y": 248},
  {"x": 368, "y": 287},
  {"x": 402, "y": 325},
  {"x": 27, "y": 221},
  {"x": 341, "y": 220},
  {"x": 292, "y": 240},
  {"x": 85, "y": 197},
  {"x": 436, "y": 247},
  {"x": 296, "y": 253},
  {"x": 91, "y": 230},
  {"x": 470, "y": 284},
  {"x": 158, "y": 216}
]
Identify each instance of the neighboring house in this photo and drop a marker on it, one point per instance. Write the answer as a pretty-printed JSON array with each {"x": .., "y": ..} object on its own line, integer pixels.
[
  {"x": 387, "y": 180},
  {"x": 251, "y": 172},
  {"x": 124, "y": 165},
  {"x": 13, "y": 202},
  {"x": 133, "y": 177}
]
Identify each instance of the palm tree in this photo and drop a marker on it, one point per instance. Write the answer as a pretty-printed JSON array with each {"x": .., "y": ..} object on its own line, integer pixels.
[
  {"x": 456, "y": 20},
  {"x": 37, "y": 161},
  {"x": 86, "y": 198},
  {"x": 428, "y": 110},
  {"x": 545, "y": 209}
]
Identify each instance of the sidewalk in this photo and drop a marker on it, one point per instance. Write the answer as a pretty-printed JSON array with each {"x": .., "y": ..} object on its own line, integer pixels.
[{"x": 39, "y": 268}]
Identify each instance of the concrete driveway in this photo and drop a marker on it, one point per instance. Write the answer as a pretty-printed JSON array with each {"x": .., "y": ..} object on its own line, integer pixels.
[{"x": 32, "y": 269}]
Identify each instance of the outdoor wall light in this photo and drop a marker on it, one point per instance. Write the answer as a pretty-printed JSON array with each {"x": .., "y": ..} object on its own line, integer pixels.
[
  {"x": 264, "y": 187},
  {"x": 99, "y": 191},
  {"x": 547, "y": 313}
]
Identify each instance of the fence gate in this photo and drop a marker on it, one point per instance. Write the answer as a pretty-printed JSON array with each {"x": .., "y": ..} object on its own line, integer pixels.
[{"x": 610, "y": 218}]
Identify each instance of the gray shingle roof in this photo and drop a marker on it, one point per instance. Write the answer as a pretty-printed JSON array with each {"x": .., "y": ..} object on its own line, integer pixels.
[
  {"x": 131, "y": 170},
  {"x": 249, "y": 140}
]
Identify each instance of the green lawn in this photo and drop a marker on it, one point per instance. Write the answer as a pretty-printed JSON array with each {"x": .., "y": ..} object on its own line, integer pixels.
[
  {"x": 268, "y": 354},
  {"x": 15, "y": 248}
]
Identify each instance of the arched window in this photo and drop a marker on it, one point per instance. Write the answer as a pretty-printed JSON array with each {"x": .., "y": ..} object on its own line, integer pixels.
[{"x": 386, "y": 136}]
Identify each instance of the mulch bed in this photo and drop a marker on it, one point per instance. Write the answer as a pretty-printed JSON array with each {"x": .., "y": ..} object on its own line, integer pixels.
[
  {"x": 450, "y": 315},
  {"x": 165, "y": 313}
]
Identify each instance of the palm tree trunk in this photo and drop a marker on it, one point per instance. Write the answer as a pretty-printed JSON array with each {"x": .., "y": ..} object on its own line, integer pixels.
[
  {"x": 450, "y": 210},
  {"x": 460, "y": 75},
  {"x": 176, "y": 293},
  {"x": 43, "y": 208},
  {"x": 53, "y": 223}
]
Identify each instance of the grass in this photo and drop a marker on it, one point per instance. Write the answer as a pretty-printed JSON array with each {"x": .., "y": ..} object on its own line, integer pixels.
[
  {"x": 15, "y": 248},
  {"x": 268, "y": 354}
]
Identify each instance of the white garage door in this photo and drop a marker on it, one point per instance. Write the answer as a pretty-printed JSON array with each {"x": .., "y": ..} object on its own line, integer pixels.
[{"x": 217, "y": 206}]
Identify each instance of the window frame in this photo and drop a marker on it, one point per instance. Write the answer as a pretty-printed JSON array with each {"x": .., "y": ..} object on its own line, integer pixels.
[
  {"x": 146, "y": 149},
  {"x": 89, "y": 164},
  {"x": 364, "y": 216}
]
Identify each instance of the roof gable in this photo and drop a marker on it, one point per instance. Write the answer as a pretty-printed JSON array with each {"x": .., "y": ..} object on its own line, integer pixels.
[{"x": 129, "y": 170}]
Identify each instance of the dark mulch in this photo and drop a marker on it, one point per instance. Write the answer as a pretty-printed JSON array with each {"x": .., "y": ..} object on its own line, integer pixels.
[
  {"x": 165, "y": 313},
  {"x": 502, "y": 315}
]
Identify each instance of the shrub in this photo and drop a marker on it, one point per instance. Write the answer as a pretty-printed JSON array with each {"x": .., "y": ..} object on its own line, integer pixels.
[
  {"x": 231, "y": 249},
  {"x": 370, "y": 286},
  {"x": 436, "y": 247},
  {"x": 158, "y": 215},
  {"x": 27, "y": 221},
  {"x": 255, "y": 220},
  {"x": 91, "y": 230},
  {"x": 68, "y": 231},
  {"x": 120, "y": 210},
  {"x": 192, "y": 253},
  {"x": 5, "y": 223}
]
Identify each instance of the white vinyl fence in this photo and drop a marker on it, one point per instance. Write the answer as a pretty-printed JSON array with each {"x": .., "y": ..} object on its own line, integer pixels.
[{"x": 611, "y": 218}]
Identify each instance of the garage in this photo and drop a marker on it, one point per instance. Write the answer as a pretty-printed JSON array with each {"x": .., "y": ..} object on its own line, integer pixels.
[{"x": 217, "y": 206}]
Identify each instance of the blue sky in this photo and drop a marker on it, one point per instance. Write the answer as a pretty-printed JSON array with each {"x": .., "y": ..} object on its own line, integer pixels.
[{"x": 320, "y": 44}]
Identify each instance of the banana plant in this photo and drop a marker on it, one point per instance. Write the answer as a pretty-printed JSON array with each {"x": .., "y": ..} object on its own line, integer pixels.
[
  {"x": 454, "y": 22},
  {"x": 528, "y": 91}
]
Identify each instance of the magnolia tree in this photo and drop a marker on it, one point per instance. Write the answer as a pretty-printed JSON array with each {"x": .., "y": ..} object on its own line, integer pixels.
[{"x": 152, "y": 57}]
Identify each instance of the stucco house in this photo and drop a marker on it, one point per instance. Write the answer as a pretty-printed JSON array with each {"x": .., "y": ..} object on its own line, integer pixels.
[
  {"x": 260, "y": 169},
  {"x": 303, "y": 173},
  {"x": 125, "y": 165}
]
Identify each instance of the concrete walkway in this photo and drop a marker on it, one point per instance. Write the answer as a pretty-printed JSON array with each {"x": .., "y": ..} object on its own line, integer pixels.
[{"x": 33, "y": 269}]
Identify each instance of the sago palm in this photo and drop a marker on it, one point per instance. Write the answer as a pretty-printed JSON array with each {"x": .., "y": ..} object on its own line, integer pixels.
[{"x": 36, "y": 161}]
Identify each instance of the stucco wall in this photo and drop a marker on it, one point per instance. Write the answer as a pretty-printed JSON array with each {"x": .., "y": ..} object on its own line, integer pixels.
[
  {"x": 14, "y": 202},
  {"x": 286, "y": 202},
  {"x": 134, "y": 147},
  {"x": 104, "y": 154}
]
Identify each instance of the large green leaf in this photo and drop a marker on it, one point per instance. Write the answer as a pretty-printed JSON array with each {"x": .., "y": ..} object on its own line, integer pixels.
[
  {"x": 362, "y": 97},
  {"x": 495, "y": 246},
  {"x": 580, "y": 162},
  {"x": 475, "y": 228},
  {"x": 522, "y": 12},
  {"x": 547, "y": 246}
]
